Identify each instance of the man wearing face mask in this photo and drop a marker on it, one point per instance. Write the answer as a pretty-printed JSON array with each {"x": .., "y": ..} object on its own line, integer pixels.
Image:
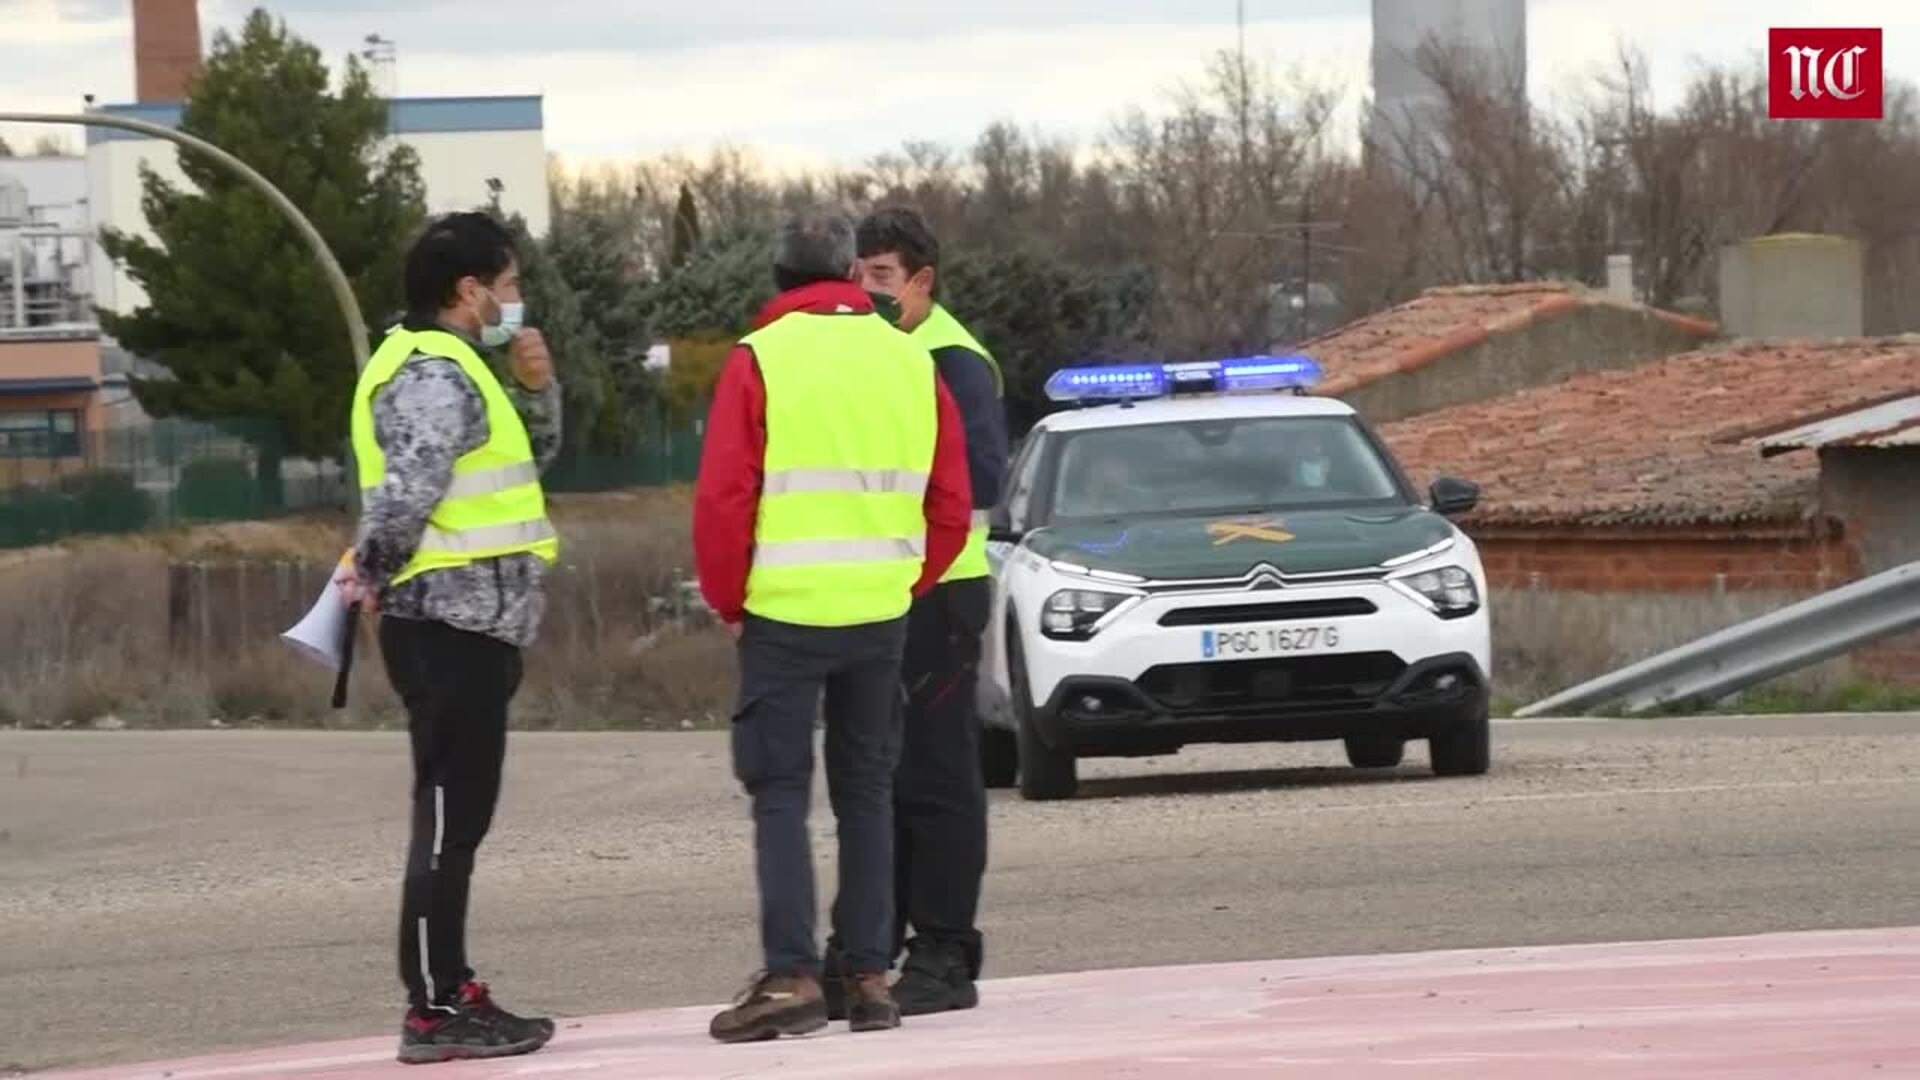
[
  {"x": 454, "y": 543},
  {"x": 940, "y": 799}
]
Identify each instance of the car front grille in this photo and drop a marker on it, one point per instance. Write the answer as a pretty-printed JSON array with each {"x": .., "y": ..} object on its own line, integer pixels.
[
  {"x": 1317, "y": 683},
  {"x": 1283, "y": 611}
]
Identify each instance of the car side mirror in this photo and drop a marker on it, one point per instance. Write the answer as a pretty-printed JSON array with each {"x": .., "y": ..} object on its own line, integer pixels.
[{"x": 1451, "y": 496}]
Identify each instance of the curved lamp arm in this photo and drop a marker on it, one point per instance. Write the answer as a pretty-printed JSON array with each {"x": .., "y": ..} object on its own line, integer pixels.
[{"x": 329, "y": 266}]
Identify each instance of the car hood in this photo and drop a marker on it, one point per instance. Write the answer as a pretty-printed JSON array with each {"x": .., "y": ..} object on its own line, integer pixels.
[{"x": 1302, "y": 542}]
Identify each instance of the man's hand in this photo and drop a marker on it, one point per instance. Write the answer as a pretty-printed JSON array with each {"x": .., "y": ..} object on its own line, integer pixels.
[
  {"x": 532, "y": 364},
  {"x": 356, "y": 590},
  {"x": 735, "y": 629}
]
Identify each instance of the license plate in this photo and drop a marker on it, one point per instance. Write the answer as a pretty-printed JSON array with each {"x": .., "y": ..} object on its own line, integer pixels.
[{"x": 1267, "y": 641}]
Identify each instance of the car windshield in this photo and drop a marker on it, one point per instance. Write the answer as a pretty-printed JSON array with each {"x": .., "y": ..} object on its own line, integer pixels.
[{"x": 1221, "y": 466}]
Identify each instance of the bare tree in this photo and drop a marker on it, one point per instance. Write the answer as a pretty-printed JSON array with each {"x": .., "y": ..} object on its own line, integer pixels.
[
  {"x": 1491, "y": 179},
  {"x": 1212, "y": 186}
]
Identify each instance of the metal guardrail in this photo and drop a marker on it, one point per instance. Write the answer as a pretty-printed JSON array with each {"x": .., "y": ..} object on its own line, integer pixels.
[{"x": 1774, "y": 644}]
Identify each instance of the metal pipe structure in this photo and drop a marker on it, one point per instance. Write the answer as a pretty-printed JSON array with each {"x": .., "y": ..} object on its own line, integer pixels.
[
  {"x": 329, "y": 266},
  {"x": 19, "y": 280}
]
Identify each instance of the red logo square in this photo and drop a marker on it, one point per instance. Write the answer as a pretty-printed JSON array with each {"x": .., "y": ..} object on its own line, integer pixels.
[{"x": 1825, "y": 74}]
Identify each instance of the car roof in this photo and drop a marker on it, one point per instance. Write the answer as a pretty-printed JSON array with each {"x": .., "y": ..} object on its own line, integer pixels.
[{"x": 1193, "y": 407}]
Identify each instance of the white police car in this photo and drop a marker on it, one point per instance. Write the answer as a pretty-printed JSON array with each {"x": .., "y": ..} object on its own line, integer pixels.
[{"x": 1202, "y": 553}]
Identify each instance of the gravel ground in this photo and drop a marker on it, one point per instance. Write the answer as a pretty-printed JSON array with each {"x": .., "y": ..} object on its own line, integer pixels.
[{"x": 168, "y": 893}]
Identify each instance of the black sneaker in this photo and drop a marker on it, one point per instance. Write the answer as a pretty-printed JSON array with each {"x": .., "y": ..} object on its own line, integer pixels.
[
  {"x": 470, "y": 1027},
  {"x": 934, "y": 979}
]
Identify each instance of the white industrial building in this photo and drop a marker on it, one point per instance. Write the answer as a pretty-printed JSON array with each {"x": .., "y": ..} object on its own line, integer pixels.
[
  {"x": 465, "y": 144},
  {"x": 60, "y": 380}
]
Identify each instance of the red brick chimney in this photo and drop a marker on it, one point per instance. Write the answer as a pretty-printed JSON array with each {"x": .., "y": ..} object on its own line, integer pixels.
[{"x": 166, "y": 48}]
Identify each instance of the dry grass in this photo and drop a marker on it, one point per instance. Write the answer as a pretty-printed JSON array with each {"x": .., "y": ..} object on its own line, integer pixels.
[
  {"x": 85, "y": 631},
  {"x": 1548, "y": 641},
  {"x": 87, "y": 638}
]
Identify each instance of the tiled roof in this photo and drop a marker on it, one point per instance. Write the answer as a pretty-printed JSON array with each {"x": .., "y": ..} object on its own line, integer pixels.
[
  {"x": 1667, "y": 442},
  {"x": 1446, "y": 320}
]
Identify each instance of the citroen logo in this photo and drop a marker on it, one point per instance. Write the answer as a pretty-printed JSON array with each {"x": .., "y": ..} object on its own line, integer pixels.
[{"x": 1265, "y": 576}]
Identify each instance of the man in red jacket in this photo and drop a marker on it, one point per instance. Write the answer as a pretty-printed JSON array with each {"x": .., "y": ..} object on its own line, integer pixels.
[{"x": 833, "y": 489}]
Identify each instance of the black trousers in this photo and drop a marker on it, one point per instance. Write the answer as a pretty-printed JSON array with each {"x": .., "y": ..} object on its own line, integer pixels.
[
  {"x": 939, "y": 794},
  {"x": 785, "y": 672},
  {"x": 456, "y": 687}
]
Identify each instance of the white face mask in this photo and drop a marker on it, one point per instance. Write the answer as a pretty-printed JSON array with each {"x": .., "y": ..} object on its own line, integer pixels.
[
  {"x": 512, "y": 316},
  {"x": 1313, "y": 473}
]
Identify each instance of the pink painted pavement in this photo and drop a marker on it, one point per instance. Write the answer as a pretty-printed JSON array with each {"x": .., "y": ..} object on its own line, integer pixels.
[{"x": 1807, "y": 1006}]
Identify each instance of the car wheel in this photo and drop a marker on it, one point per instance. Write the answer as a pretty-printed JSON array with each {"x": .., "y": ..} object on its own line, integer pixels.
[
  {"x": 1375, "y": 753},
  {"x": 1464, "y": 751},
  {"x": 999, "y": 757},
  {"x": 1045, "y": 773}
]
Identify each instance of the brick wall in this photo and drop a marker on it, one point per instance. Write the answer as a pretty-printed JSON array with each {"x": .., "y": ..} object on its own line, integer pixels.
[
  {"x": 1794, "y": 561},
  {"x": 1607, "y": 597},
  {"x": 1485, "y": 363}
]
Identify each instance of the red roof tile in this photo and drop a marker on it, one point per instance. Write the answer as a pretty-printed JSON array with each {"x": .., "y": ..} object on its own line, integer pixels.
[
  {"x": 1660, "y": 443},
  {"x": 1446, "y": 320}
]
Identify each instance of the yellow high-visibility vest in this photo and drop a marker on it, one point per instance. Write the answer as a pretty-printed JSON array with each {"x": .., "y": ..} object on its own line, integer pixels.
[
  {"x": 495, "y": 505},
  {"x": 940, "y": 330},
  {"x": 852, "y": 418}
]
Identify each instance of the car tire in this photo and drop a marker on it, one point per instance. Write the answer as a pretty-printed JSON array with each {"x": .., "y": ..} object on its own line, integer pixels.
[
  {"x": 999, "y": 757},
  {"x": 1466, "y": 750},
  {"x": 1046, "y": 774},
  {"x": 1375, "y": 753}
]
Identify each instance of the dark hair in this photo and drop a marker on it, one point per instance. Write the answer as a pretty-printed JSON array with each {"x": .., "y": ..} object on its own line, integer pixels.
[
  {"x": 468, "y": 244},
  {"x": 899, "y": 230},
  {"x": 813, "y": 245}
]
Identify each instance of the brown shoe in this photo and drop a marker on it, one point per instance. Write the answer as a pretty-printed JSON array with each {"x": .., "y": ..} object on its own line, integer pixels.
[
  {"x": 870, "y": 1005},
  {"x": 772, "y": 1006}
]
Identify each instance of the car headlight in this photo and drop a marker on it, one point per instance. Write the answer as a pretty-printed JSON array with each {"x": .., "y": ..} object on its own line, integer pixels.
[
  {"x": 1449, "y": 591},
  {"x": 1075, "y": 614}
]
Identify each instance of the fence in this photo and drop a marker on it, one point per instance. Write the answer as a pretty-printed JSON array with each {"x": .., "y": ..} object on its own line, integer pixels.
[
  {"x": 153, "y": 475},
  {"x": 173, "y": 472}
]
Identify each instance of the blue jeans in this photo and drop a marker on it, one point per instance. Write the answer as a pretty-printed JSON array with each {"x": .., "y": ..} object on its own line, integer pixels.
[{"x": 786, "y": 672}]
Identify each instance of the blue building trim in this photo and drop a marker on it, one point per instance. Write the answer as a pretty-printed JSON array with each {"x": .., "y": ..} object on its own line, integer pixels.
[
  {"x": 409, "y": 116},
  {"x": 29, "y": 387}
]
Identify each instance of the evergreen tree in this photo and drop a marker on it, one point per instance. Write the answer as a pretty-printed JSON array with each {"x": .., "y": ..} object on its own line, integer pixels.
[{"x": 237, "y": 311}]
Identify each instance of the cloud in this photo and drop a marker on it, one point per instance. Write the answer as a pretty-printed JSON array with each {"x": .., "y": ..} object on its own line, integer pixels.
[
  {"x": 838, "y": 80},
  {"x": 652, "y": 26}
]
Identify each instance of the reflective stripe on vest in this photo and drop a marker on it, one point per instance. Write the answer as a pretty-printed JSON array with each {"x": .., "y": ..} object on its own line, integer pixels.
[
  {"x": 487, "y": 481},
  {"x": 858, "y": 481},
  {"x": 836, "y": 552},
  {"x": 521, "y": 534},
  {"x": 494, "y": 505},
  {"x": 852, "y": 417},
  {"x": 940, "y": 330}
]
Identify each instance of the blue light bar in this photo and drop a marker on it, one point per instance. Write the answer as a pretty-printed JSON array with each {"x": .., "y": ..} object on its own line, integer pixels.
[
  {"x": 1135, "y": 382},
  {"x": 1116, "y": 382},
  {"x": 1269, "y": 373}
]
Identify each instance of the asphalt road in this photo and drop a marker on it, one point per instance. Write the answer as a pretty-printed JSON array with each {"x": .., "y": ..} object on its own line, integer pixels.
[{"x": 163, "y": 894}]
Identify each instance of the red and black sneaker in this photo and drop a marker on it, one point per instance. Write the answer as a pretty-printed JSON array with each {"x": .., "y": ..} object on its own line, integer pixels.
[{"x": 471, "y": 1026}]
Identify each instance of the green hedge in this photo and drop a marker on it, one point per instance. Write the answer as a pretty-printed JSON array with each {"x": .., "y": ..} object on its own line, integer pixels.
[{"x": 101, "y": 501}]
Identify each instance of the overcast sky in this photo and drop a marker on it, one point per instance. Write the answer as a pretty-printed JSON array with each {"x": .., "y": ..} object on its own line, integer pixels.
[{"x": 807, "y": 82}]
